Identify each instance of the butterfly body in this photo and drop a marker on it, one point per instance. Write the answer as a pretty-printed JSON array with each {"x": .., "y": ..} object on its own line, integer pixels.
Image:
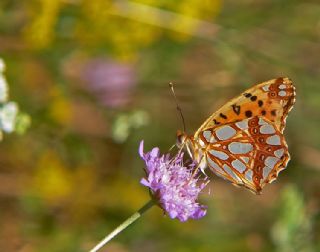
[{"x": 243, "y": 141}]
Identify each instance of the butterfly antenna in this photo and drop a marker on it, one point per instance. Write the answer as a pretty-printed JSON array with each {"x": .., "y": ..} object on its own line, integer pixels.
[{"x": 178, "y": 107}]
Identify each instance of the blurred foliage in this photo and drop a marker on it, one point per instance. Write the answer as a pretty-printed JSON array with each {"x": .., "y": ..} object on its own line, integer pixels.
[
  {"x": 125, "y": 122},
  {"x": 293, "y": 230},
  {"x": 93, "y": 76}
]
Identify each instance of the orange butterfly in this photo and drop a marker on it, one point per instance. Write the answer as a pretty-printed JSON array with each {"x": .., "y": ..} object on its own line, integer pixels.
[{"x": 243, "y": 141}]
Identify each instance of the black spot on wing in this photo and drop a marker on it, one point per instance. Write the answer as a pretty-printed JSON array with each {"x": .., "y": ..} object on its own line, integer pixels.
[
  {"x": 236, "y": 109},
  {"x": 248, "y": 113},
  {"x": 223, "y": 116},
  {"x": 216, "y": 122},
  {"x": 253, "y": 98}
]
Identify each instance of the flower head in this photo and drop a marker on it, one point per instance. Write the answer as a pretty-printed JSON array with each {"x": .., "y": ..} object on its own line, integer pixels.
[{"x": 173, "y": 185}]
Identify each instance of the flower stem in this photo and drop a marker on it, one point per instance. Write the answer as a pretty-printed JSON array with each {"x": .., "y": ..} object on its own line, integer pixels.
[{"x": 124, "y": 225}]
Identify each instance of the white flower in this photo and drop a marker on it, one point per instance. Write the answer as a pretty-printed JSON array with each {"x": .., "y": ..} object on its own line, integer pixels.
[
  {"x": 8, "y": 114},
  {"x": 3, "y": 88}
]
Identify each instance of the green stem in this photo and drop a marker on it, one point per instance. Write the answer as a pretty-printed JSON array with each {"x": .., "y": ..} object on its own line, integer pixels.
[{"x": 124, "y": 225}]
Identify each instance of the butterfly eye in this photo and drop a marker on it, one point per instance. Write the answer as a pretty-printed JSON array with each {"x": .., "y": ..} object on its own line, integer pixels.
[{"x": 181, "y": 137}]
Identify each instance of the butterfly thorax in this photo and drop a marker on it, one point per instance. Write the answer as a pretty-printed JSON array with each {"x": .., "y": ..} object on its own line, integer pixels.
[{"x": 194, "y": 149}]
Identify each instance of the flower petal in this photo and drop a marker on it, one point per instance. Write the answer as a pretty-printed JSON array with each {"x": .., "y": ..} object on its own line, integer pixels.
[
  {"x": 154, "y": 152},
  {"x": 144, "y": 182},
  {"x": 141, "y": 149}
]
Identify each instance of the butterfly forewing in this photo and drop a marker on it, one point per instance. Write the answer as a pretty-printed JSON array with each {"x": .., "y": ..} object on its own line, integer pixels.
[
  {"x": 271, "y": 99},
  {"x": 243, "y": 141}
]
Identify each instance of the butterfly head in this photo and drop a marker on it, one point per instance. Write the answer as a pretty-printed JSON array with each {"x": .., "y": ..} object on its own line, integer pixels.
[
  {"x": 181, "y": 139},
  {"x": 186, "y": 142}
]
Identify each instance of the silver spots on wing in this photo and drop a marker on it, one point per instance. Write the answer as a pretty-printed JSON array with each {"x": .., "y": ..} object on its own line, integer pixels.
[
  {"x": 271, "y": 161},
  {"x": 282, "y": 93},
  {"x": 214, "y": 165},
  {"x": 240, "y": 148},
  {"x": 225, "y": 132},
  {"x": 207, "y": 135},
  {"x": 262, "y": 122},
  {"x": 267, "y": 129},
  {"x": 219, "y": 154},
  {"x": 245, "y": 159},
  {"x": 282, "y": 86},
  {"x": 243, "y": 125},
  {"x": 231, "y": 173},
  {"x": 273, "y": 140},
  {"x": 266, "y": 171},
  {"x": 279, "y": 153},
  {"x": 266, "y": 88},
  {"x": 248, "y": 175},
  {"x": 238, "y": 165}
]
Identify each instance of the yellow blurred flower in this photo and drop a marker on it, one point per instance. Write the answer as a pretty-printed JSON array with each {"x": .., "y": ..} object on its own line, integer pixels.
[
  {"x": 124, "y": 27},
  {"x": 60, "y": 107},
  {"x": 40, "y": 31},
  {"x": 127, "y": 26},
  {"x": 52, "y": 180}
]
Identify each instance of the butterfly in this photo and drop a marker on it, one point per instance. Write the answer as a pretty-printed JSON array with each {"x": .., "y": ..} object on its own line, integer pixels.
[{"x": 243, "y": 141}]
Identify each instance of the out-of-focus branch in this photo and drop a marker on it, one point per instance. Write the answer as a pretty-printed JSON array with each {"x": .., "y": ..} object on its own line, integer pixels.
[{"x": 164, "y": 19}]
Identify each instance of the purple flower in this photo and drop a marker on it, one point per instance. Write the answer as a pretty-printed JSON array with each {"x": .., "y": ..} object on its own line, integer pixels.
[
  {"x": 173, "y": 185},
  {"x": 112, "y": 82}
]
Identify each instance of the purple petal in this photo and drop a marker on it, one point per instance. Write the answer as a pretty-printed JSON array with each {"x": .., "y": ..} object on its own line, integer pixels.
[
  {"x": 199, "y": 213},
  {"x": 141, "y": 149},
  {"x": 154, "y": 152},
  {"x": 144, "y": 182}
]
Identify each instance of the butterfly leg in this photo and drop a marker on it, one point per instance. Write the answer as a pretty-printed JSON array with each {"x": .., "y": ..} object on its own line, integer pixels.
[{"x": 202, "y": 164}]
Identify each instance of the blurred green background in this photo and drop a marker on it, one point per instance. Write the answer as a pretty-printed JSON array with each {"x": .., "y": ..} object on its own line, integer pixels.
[{"x": 93, "y": 76}]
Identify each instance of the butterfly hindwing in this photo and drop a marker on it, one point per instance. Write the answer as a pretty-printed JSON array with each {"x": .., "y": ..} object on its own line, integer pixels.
[{"x": 250, "y": 152}]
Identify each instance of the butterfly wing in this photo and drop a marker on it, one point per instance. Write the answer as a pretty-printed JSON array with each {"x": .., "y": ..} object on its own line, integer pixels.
[
  {"x": 272, "y": 100},
  {"x": 249, "y": 153},
  {"x": 243, "y": 141}
]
